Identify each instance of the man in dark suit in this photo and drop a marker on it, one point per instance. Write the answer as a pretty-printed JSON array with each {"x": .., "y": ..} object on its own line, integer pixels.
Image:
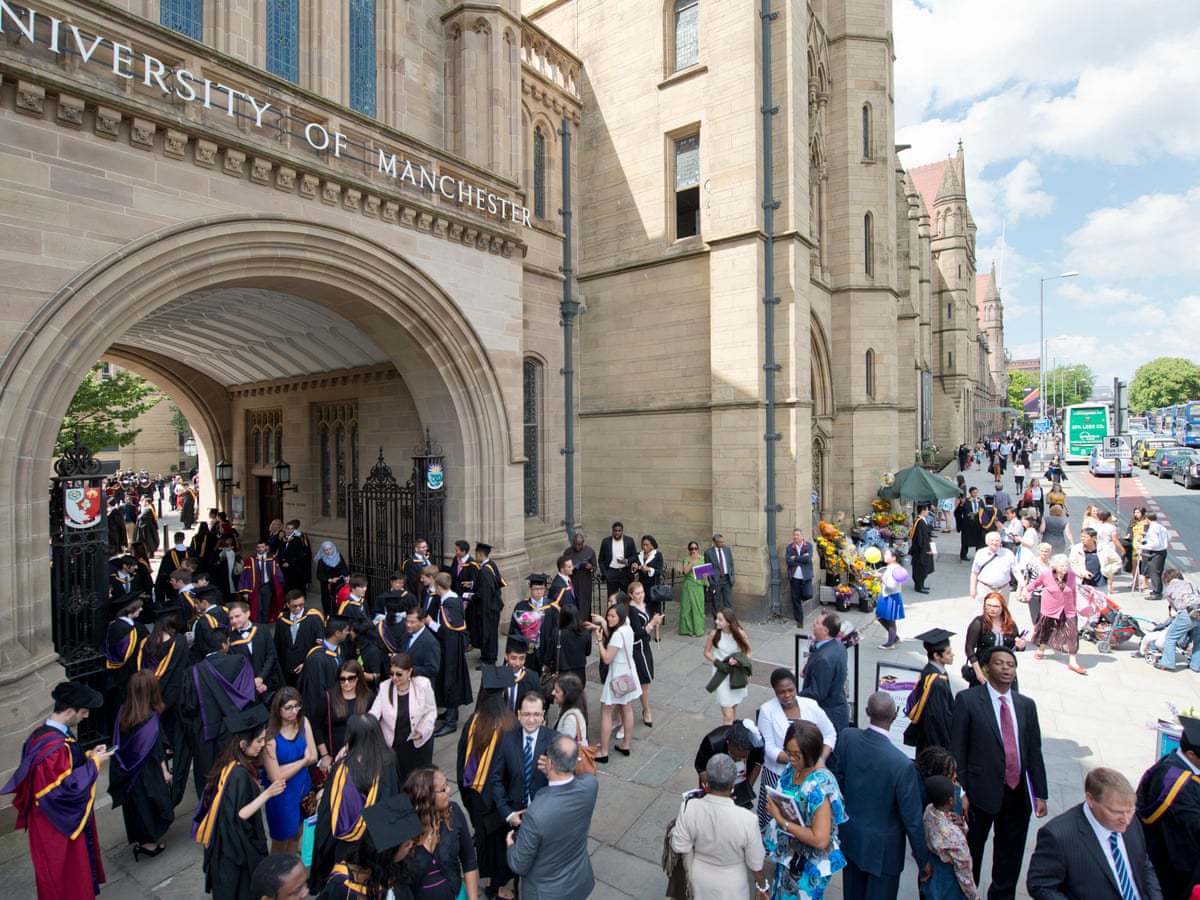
[
  {"x": 825, "y": 671},
  {"x": 720, "y": 582},
  {"x": 798, "y": 558},
  {"x": 970, "y": 532},
  {"x": 297, "y": 630},
  {"x": 921, "y": 548},
  {"x": 1168, "y": 805},
  {"x": 549, "y": 851},
  {"x": 997, "y": 742},
  {"x": 562, "y": 589},
  {"x": 616, "y": 553},
  {"x": 1096, "y": 850},
  {"x": 422, "y": 646},
  {"x": 415, "y": 565},
  {"x": 883, "y": 800}
]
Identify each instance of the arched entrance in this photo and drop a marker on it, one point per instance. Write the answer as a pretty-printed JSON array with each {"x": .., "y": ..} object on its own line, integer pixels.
[{"x": 454, "y": 383}]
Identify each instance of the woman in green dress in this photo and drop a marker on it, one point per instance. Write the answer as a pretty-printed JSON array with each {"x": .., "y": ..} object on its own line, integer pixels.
[{"x": 691, "y": 602}]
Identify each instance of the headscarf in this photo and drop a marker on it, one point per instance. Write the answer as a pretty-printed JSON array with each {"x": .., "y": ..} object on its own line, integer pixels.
[{"x": 331, "y": 561}]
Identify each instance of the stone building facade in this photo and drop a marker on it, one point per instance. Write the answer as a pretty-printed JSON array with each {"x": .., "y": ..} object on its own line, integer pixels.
[{"x": 326, "y": 227}]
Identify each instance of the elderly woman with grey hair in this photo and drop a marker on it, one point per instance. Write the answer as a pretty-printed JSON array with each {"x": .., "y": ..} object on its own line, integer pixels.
[
  {"x": 1057, "y": 626},
  {"x": 721, "y": 839}
]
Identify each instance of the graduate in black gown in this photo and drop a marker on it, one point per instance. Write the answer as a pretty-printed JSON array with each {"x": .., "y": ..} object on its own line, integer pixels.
[
  {"x": 930, "y": 704},
  {"x": 217, "y": 687},
  {"x": 452, "y": 686},
  {"x": 229, "y": 821},
  {"x": 487, "y": 602},
  {"x": 164, "y": 654},
  {"x": 139, "y": 781},
  {"x": 121, "y": 641}
]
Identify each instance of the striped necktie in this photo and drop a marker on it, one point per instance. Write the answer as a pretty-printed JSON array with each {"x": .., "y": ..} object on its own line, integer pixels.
[
  {"x": 529, "y": 766},
  {"x": 1124, "y": 881}
]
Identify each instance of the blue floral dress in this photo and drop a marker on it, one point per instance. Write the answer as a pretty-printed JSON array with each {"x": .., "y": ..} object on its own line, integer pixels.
[{"x": 801, "y": 871}]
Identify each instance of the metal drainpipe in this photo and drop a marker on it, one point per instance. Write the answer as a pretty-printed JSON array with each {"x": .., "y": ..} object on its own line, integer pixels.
[
  {"x": 770, "y": 301},
  {"x": 569, "y": 309}
]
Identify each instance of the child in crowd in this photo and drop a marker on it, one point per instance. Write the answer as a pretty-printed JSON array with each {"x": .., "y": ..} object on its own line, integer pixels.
[{"x": 946, "y": 835}]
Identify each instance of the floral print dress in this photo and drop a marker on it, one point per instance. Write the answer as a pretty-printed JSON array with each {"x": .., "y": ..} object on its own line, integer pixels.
[{"x": 801, "y": 871}]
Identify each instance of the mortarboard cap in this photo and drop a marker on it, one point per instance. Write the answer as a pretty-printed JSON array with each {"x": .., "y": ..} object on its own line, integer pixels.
[
  {"x": 1190, "y": 738},
  {"x": 538, "y": 578},
  {"x": 497, "y": 678},
  {"x": 76, "y": 695},
  {"x": 988, "y": 652},
  {"x": 250, "y": 719},
  {"x": 935, "y": 639},
  {"x": 516, "y": 644},
  {"x": 391, "y": 822},
  {"x": 483, "y": 548}
]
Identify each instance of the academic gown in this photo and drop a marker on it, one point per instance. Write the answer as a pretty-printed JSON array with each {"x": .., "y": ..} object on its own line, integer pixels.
[
  {"x": 164, "y": 594},
  {"x": 486, "y": 821},
  {"x": 488, "y": 603},
  {"x": 339, "y": 817},
  {"x": 233, "y": 846},
  {"x": 262, "y": 580},
  {"x": 218, "y": 686},
  {"x": 212, "y": 618},
  {"x": 256, "y": 645},
  {"x": 452, "y": 687},
  {"x": 63, "y": 842},
  {"x": 929, "y": 707},
  {"x": 291, "y": 652},
  {"x": 295, "y": 552},
  {"x": 171, "y": 668},
  {"x": 1168, "y": 805},
  {"x": 319, "y": 675},
  {"x": 120, "y": 658},
  {"x": 136, "y": 783}
]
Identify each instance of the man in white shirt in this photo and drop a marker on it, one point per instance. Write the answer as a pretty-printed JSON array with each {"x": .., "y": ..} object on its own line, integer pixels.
[
  {"x": 993, "y": 569},
  {"x": 1154, "y": 555}
]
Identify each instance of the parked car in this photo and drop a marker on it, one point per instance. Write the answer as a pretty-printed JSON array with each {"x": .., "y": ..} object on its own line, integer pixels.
[
  {"x": 1187, "y": 470},
  {"x": 1145, "y": 449},
  {"x": 1098, "y": 465},
  {"x": 1164, "y": 461}
]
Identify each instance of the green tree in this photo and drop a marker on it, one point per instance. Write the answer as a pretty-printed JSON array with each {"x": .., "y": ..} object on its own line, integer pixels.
[
  {"x": 179, "y": 424},
  {"x": 1018, "y": 380},
  {"x": 1164, "y": 382},
  {"x": 1068, "y": 385},
  {"x": 103, "y": 408}
]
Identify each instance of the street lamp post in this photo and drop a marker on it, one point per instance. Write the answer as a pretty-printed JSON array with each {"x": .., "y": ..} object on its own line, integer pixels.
[{"x": 1042, "y": 337}]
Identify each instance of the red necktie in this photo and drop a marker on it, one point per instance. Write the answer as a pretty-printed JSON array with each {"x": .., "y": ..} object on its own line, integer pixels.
[{"x": 1008, "y": 733}]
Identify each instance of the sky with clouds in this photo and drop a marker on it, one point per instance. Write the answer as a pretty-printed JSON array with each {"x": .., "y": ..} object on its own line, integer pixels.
[{"x": 1081, "y": 142}]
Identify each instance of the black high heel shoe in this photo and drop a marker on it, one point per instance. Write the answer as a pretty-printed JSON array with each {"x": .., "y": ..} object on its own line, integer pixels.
[
  {"x": 622, "y": 751},
  {"x": 139, "y": 851}
]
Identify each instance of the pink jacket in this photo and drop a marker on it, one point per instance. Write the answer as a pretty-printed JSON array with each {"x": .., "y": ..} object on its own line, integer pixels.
[
  {"x": 1056, "y": 600},
  {"x": 422, "y": 709}
]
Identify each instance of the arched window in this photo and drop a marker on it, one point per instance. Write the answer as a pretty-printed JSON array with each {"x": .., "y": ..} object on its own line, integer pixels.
[
  {"x": 686, "y": 20},
  {"x": 866, "y": 130},
  {"x": 362, "y": 56},
  {"x": 868, "y": 245},
  {"x": 532, "y": 372},
  {"x": 870, "y": 374},
  {"x": 184, "y": 16},
  {"x": 283, "y": 39},
  {"x": 539, "y": 173}
]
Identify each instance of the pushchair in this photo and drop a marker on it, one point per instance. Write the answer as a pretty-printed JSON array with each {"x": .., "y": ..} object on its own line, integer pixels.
[{"x": 1108, "y": 626}]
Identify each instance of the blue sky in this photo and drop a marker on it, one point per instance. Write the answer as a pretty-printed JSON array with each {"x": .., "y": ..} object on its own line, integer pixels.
[{"x": 1079, "y": 126}]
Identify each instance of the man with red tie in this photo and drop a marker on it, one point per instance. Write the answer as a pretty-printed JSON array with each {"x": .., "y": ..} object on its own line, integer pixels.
[{"x": 997, "y": 742}]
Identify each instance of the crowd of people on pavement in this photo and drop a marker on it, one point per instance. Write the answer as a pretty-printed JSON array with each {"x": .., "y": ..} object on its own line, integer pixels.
[{"x": 293, "y": 718}]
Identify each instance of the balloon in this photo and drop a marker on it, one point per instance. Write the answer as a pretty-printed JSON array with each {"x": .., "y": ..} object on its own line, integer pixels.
[
  {"x": 887, "y": 479},
  {"x": 872, "y": 555},
  {"x": 899, "y": 573}
]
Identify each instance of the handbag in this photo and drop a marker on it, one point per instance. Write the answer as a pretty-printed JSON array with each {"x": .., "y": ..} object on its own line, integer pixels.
[
  {"x": 307, "y": 839},
  {"x": 661, "y": 593},
  {"x": 623, "y": 685},
  {"x": 587, "y": 755}
]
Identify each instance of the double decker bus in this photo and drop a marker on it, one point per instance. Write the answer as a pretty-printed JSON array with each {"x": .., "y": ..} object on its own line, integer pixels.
[
  {"x": 1187, "y": 424},
  {"x": 1085, "y": 425}
]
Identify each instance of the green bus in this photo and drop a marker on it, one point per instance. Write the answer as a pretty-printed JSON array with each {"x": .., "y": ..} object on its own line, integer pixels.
[{"x": 1085, "y": 426}]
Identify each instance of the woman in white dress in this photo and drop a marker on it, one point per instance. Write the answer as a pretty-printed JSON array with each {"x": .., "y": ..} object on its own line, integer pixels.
[
  {"x": 615, "y": 640},
  {"x": 726, "y": 639}
]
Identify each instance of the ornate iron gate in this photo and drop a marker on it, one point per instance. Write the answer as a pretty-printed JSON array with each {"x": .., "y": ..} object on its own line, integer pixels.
[
  {"x": 79, "y": 576},
  {"x": 385, "y": 517}
]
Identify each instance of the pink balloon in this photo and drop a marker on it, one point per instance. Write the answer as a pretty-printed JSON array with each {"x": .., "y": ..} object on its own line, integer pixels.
[{"x": 898, "y": 573}]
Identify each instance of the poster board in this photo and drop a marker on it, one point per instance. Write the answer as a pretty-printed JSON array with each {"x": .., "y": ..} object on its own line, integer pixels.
[
  {"x": 1166, "y": 738},
  {"x": 800, "y": 653},
  {"x": 898, "y": 680}
]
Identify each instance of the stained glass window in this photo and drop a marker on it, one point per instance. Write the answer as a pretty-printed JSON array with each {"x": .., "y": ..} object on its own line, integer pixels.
[
  {"x": 283, "y": 39},
  {"x": 184, "y": 16},
  {"x": 362, "y": 56},
  {"x": 531, "y": 439},
  {"x": 326, "y": 472},
  {"x": 340, "y": 456}
]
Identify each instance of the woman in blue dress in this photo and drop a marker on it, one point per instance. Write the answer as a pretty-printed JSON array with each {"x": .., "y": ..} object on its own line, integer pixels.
[
  {"x": 806, "y": 853},
  {"x": 290, "y": 750}
]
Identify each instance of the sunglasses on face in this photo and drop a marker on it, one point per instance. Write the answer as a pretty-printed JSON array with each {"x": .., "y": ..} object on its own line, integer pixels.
[
  {"x": 292, "y": 707},
  {"x": 347, "y": 678}
]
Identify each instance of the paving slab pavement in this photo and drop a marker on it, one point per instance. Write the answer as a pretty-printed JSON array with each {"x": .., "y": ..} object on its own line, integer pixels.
[{"x": 1105, "y": 718}]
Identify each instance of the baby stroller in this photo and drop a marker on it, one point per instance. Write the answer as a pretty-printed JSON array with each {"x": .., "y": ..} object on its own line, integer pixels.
[{"x": 1108, "y": 626}]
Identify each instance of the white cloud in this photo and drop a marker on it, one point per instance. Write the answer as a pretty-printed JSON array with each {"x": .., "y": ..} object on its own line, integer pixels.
[
  {"x": 1103, "y": 295},
  {"x": 1022, "y": 194},
  {"x": 1154, "y": 236}
]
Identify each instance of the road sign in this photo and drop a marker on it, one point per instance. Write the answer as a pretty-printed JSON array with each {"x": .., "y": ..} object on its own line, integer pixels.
[
  {"x": 1117, "y": 446},
  {"x": 1041, "y": 426}
]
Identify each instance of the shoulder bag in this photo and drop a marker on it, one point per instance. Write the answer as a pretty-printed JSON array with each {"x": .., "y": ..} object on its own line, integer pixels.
[
  {"x": 587, "y": 754},
  {"x": 624, "y": 685}
]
